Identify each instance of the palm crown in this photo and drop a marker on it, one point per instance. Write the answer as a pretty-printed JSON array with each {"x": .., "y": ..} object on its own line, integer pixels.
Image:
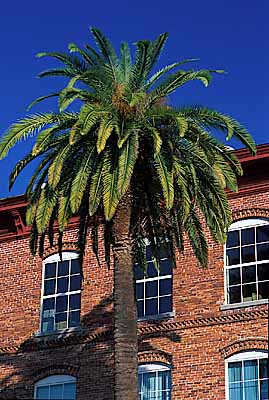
[{"x": 125, "y": 138}]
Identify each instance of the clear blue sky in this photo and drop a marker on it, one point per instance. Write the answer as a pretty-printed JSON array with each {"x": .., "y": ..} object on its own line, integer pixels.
[{"x": 231, "y": 35}]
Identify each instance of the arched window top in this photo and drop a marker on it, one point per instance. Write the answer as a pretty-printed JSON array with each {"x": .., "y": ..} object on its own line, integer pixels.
[
  {"x": 248, "y": 222},
  {"x": 248, "y": 355},
  {"x": 53, "y": 379},
  {"x": 66, "y": 255},
  {"x": 145, "y": 368}
]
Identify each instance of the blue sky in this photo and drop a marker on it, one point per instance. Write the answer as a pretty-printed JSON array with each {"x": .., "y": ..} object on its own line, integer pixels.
[{"x": 231, "y": 35}]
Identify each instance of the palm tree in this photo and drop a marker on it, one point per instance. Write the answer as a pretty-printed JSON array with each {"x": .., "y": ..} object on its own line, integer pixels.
[{"x": 128, "y": 159}]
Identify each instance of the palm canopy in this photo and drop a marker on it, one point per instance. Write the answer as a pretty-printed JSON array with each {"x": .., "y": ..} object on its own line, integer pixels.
[{"x": 125, "y": 138}]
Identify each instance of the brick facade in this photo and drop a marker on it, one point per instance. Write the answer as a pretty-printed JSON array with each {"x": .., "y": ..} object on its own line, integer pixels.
[{"x": 195, "y": 341}]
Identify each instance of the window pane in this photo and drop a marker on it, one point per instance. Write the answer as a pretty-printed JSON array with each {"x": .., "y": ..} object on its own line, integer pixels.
[
  {"x": 249, "y": 274},
  {"x": 61, "y": 303},
  {"x": 50, "y": 270},
  {"x": 49, "y": 287},
  {"x": 264, "y": 390},
  {"x": 75, "y": 283},
  {"x": 56, "y": 392},
  {"x": 61, "y": 321},
  {"x": 74, "y": 318},
  {"x": 262, "y": 233},
  {"x": 42, "y": 393},
  {"x": 75, "y": 266},
  {"x": 235, "y": 372},
  {"x": 148, "y": 253},
  {"x": 47, "y": 324},
  {"x": 166, "y": 267},
  {"x": 234, "y": 294},
  {"x": 140, "y": 309},
  {"x": 74, "y": 301},
  {"x": 250, "y": 369},
  {"x": 262, "y": 252},
  {"x": 140, "y": 290},
  {"x": 69, "y": 391},
  {"x": 151, "y": 307},
  {"x": 263, "y": 272},
  {"x": 233, "y": 239},
  {"x": 263, "y": 290},
  {"x": 165, "y": 304},
  {"x": 165, "y": 286},
  {"x": 62, "y": 285},
  {"x": 138, "y": 272},
  {"x": 236, "y": 391},
  {"x": 251, "y": 390},
  {"x": 149, "y": 384},
  {"x": 263, "y": 368},
  {"x": 247, "y": 236},
  {"x": 152, "y": 271},
  {"x": 248, "y": 254},
  {"x": 249, "y": 292},
  {"x": 233, "y": 257},
  {"x": 49, "y": 304},
  {"x": 152, "y": 289},
  {"x": 234, "y": 276},
  {"x": 63, "y": 268},
  {"x": 164, "y": 382}
]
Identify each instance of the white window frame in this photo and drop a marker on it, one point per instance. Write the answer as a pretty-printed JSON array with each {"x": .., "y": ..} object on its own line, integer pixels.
[
  {"x": 158, "y": 279},
  {"x": 242, "y": 356},
  {"x": 54, "y": 380},
  {"x": 235, "y": 226},
  {"x": 155, "y": 367},
  {"x": 66, "y": 256}
]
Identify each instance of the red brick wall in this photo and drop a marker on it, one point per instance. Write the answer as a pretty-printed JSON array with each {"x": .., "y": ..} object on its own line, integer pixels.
[{"x": 193, "y": 340}]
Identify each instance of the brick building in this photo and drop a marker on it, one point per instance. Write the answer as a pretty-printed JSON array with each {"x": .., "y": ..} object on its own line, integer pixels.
[{"x": 203, "y": 333}]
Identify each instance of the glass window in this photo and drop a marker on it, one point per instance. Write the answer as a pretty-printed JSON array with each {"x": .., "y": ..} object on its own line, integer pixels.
[
  {"x": 56, "y": 387},
  {"x": 154, "y": 289},
  {"x": 247, "y": 261},
  {"x": 248, "y": 377},
  {"x": 61, "y": 293},
  {"x": 154, "y": 382}
]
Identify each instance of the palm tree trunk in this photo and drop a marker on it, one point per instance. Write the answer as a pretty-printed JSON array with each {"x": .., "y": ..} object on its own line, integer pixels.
[{"x": 125, "y": 322}]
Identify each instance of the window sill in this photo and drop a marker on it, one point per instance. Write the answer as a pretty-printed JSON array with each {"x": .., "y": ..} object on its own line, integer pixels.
[
  {"x": 157, "y": 317},
  {"x": 58, "y": 333},
  {"x": 253, "y": 303}
]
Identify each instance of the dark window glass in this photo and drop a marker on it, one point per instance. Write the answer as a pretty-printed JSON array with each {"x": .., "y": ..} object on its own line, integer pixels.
[
  {"x": 262, "y": 252},
  {"x": 233, "y": 239},
  {"x": 165, "y": 304},
  {"x": 247, "y": 236},
  {"x": 63, "y": 268},
  {"x": 61, "y": 321},
  {"x": 262, "y": 233},
  {"x": 138, "y": 272},
  {"x": 152, "y": 289},
  {"x": 151, "y": 307},
  {"x": 74, "y": 318},
  {"x": 50, "y": 270},
  {"x": 74, "y": 301},
  {"x": 234, "y": 276},
  {"x": 263, "y": 290},
  {"x": 166, "y": 267},
  {"x": 152, "y": 271},
  {"x": 165, "y": 286},
  {"x": 249, "y": 292},
  {"x": 75, "y": 283},
  {"x": 235, "y": 294},
  {"x": 263, "y": 272},
  {"x": 264, "y": 390},
  {"x": 163, "y": 251},
  {"x": 248, "y": 254},
  {"x": 49, "y": 304},
  {"x": 61, "y": 303},
  {"x": 62, "y": 285},
  {"x": 140, "y": 308},
  {"x": 75, "y": 266},
  {"x": 233, "y": 257},
  {"x": 140, "y": 290},
  {"x": 48, "y": 324},
  {"x": 264, "y": 368},
  {"x": 49, "y": 287},
  {"x": 148, "y": 253},
  {"x": 249, "y": 274}
]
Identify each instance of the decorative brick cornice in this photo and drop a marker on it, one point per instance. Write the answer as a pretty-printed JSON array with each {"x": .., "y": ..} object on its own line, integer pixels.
[
  {"x": 250, "y": 213},
  {"x": 67, "y": 246},
  {"x": 244, "y": 345},
  {"x": 55, "y": 369},
  {"x": 153, "y": 356}
]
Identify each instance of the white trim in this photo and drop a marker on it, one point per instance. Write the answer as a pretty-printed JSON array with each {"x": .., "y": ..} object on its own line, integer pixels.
[
  {"x": 145, "y": 368},
  {"x": 55, "y": 379},
  {"x": 66, "y": 255},
  {"x": 247, "y": 223}
]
